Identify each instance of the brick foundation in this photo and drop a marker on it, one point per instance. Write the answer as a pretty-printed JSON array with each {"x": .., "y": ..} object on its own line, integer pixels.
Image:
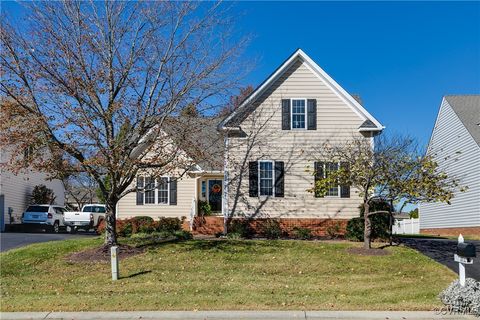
[
  {"x": 214, "y": 225},
  {"x": 466, "y": 231}
]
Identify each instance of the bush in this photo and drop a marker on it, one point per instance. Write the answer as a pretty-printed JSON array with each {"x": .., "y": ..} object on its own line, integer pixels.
[
  {"x": 380, "y": 227},
  {"x": 271, "y": 229},
  {"x": 144, "y": 225},
  {"x": 333, "y": 231},
  {"x": 241, "y": 227},
  {"x": 380, "y": 222},
  {"x": 204, "y": 208},
  {"x": 169, "y": 225},
  {"x": 234, "y": 236},
  {"x": 302, "y": 233},
  {"x": 463, "y": 300},
  {"x": 183, "y": 235}
]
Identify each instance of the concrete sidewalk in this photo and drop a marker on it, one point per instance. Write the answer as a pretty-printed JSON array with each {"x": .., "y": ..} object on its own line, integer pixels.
[{"x": 234, "y": 315}]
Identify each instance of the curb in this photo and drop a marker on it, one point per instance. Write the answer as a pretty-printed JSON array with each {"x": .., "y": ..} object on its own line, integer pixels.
[{"x": 231, "y": 315}]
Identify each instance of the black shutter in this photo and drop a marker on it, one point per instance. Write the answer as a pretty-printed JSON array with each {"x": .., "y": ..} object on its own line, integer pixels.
[
  {"x": 173, "y": 192},
  {"x": 285, "y": 114},
  {"x": 139, "y": 191},
  {"x": 279, "y": 179},
  {"x": 253, "y": 179},
  {"x": 318, "y": 167},
  {"x": 312, "y": 114},
  {"x": 344, "y": 188}
]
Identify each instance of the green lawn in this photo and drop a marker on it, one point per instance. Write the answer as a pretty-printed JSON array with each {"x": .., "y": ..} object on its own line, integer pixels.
[{"x": 209, "y": 275}]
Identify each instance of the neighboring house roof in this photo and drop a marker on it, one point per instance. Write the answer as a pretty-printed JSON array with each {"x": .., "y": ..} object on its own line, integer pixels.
[
  {"x": 467, "y": 109},
  {"x": 233, "y": 120}
]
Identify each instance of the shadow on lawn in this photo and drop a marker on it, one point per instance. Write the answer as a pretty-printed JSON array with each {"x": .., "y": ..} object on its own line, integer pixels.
[{"x": 136, "y": 274}]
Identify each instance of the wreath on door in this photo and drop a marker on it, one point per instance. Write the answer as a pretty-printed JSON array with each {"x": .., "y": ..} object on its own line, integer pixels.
[{"x": 216, "y": 188}]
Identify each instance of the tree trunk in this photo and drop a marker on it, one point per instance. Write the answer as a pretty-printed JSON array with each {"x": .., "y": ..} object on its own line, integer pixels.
[
  {"x": 368, "y": 226},
  {"x": 110, "y": 224}
]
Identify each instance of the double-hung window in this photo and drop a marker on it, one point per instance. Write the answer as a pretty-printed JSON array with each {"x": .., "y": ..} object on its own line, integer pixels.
[
  {"x": 149, "y": 190},
  {"x": 162, "y": 190},
  {"x": 266, "y": 176},
  {"x": 334, "y": 188},
  {"x": 299, "y": 115},
  {"x": 154, "y": 190}
]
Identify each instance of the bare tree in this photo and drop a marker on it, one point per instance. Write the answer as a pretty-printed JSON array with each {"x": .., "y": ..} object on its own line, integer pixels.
[
  {"x": 95, "y": 84},
  {"x": 392, "y": 169}
]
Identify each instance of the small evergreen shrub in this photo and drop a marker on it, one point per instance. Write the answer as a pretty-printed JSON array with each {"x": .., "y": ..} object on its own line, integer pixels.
[
  {"x": 241, "y": 227},
  {"x": 234, "y": 236},
  {"x": 204, "y": 208},
  {"x": 333, "y": 231},
  {"x": 169, "y": 224},
  {"x": 380, "y": 222},
  {"x": 271, "y": 229},
  {"x": 302, "y": 233},
  {"x": 183, "y": 235}
]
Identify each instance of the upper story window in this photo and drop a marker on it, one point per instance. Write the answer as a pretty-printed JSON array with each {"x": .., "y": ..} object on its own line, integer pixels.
[
  {"x": 163, "y": 190},
  {"x": 299, "y": 114},
  {"x": 265, "y": 169}
]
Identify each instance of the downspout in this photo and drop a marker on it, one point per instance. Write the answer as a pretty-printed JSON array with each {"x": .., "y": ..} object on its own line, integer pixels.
[{"x": 225, "y": 185}]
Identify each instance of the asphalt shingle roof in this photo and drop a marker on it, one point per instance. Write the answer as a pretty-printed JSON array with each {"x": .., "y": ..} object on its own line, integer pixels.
[{"x": 467, "y": 108}]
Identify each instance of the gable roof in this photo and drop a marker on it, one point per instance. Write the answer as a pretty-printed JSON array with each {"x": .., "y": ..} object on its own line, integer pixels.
[
  {"x": 467, "y": 109},
  {"x": 232, "y": 121}
]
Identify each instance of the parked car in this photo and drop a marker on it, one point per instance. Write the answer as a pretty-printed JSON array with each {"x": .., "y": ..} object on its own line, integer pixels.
[
  {"x": 89, "y": 218},
  {"x": 46, "y": 216}
]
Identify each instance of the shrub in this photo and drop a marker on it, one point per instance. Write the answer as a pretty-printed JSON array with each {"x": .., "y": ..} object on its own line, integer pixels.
[
  {"x": 183, "y": 235},
  {"x": 354, "y": 230},
  {"x": 234, "y": 236},
  {"x": 271, "y": 229},
  {"x": 204, "y": 208},
  {"x": 302, "y": 233},
  {"x": 42, "y": 195},
  {"x": 142, "y": 224},
  {"x": 333, "y": 231},
  {"x": 380, "y": 227},
  {"x": 169, "y": 224},
  {"x": 241, "y": 227}
]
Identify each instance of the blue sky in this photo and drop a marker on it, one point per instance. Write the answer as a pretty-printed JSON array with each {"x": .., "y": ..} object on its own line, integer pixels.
[{"x": 401, "y": 57}]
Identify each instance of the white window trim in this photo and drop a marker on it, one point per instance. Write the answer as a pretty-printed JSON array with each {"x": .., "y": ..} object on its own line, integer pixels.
[
  {"x": 156, "y": 203},
  {"x": 325, "y": 176},
  {"x": 273, "y": 178},
  {"x": 291, "y": 114}
]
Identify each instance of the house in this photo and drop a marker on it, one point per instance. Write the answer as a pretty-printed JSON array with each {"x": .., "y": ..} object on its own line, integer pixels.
[
  {"x": 182, "y": 189},
  {"x": 258, "y": 166},
  {"x": 16, "y": 189},
  {"x": 455, "y": 146},
  {"x": 270, "y": 148}
]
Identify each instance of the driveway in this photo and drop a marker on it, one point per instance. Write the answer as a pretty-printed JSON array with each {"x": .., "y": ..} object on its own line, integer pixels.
[
  {"x": 10, "y": 240},
  {"x": 442, "y": 251}
]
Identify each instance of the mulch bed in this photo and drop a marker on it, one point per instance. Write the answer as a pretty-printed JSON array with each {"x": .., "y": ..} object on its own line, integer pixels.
[
  {"x": 102, "y": 254},
  {"x": 368, "y": 252}
]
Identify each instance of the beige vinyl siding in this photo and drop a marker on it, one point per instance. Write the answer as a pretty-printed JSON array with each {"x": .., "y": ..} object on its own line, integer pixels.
[
  {"x": 127, "y": 206},
  {"x": 336, "y": 121},
  {"x": 459, "y": 156},
  {"x": 17, "y": 190}
]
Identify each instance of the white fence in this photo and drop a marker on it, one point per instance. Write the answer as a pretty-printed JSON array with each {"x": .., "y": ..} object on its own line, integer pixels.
[{"x": 407, "y": 226}]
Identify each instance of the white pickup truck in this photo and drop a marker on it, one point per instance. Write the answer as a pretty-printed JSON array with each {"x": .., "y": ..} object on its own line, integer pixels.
[{"x": 89, "y": 218}]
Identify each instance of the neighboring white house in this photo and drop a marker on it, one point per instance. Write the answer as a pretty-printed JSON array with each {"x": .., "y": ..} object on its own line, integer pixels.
[
  {"x": 455, "y": 145},
  {"x": 16, "y": 189}
]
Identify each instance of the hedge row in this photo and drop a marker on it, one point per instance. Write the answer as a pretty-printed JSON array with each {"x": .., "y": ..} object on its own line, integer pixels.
[{"x": 144, "y": 224}]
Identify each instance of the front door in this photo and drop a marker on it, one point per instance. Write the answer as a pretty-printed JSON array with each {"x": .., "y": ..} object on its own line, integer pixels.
[{"x": 215, "y": 195}]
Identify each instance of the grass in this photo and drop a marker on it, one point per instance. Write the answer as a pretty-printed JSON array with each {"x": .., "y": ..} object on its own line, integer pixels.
[{"x": 214, "y": 275}]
